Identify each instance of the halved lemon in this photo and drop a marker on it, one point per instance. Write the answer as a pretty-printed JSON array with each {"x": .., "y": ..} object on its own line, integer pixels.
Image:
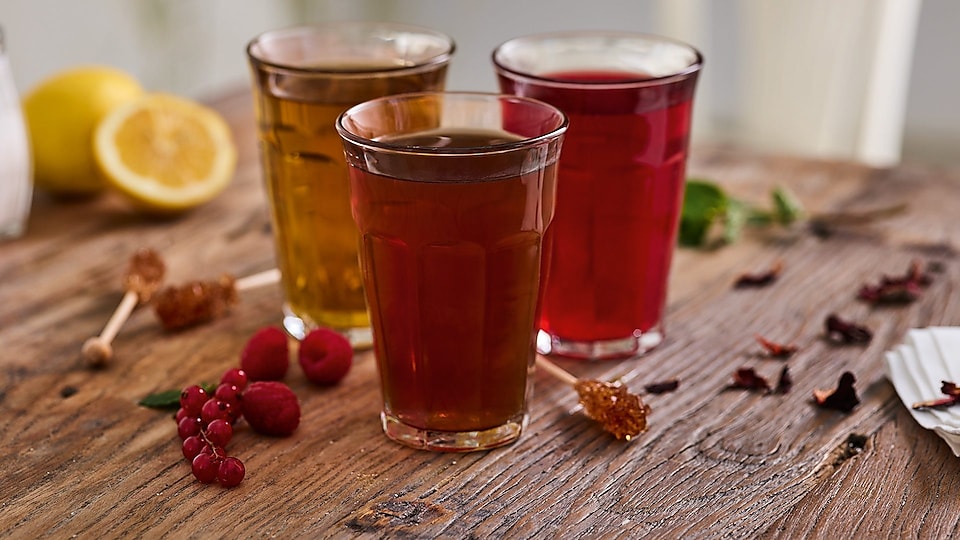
[{"x": 166, "y": 153}]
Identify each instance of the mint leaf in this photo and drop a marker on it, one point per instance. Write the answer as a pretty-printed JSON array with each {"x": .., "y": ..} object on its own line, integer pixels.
[
  {"x": 703, "y": 203},
  {"x": 735, "y": 219},
  {"x": 170, "y": 399},
  {"x": 786, "y": 207}
]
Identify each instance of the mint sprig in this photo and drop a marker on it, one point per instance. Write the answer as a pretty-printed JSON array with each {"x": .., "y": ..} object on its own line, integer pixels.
[{"x": 710, "y": 213}]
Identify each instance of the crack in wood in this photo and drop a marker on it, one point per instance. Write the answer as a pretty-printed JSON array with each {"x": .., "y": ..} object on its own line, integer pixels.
[
  {"x": 395, "y": 514},
  {"x": 852, "y": 446}
]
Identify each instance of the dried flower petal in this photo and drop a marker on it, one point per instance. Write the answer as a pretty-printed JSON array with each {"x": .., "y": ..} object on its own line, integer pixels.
[
  {"x": 898, "y": 289},
  {"x": 938, "y": 403},
  {"x": 952, "y": 393},
  {"x": 761, "y": 279},
  {"x": 662, "y": 387},
  {"x": 619, "y": 412},
  {"x": 785, "y": 382},
  {"x": 777, "y": 350},
  {"x": 748, "y": 379},
  {"x": 842, "y": 331},
  {"x": 843, "y": 398}
]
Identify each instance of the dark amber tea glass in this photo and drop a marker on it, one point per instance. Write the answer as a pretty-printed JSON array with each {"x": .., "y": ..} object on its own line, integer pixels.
[{"x": 452, "y": 194}]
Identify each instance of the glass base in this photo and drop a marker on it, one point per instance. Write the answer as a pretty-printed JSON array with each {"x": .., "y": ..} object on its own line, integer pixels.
[
  {"x": 632, "y": 346},
  {"x": 360, "y": 338},
  {"x": 13, "y": 229},
  {"x": 452, "y": 441}
]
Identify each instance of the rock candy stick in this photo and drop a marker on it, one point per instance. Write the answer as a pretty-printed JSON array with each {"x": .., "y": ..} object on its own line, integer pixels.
[
  {"x": 198, "y": 302},
  {"x": 619, "y": 412}
]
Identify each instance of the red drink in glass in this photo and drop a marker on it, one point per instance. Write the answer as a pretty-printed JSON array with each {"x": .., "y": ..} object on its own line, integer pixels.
[
  {"x": 452, "y": 194},
  {"x": 620, "y": 189}
]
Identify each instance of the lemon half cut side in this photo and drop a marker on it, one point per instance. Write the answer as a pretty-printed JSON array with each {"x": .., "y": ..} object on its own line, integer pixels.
[{"x": 166, "y": 153}]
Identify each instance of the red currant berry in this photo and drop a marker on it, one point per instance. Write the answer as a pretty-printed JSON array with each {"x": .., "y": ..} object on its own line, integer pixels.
[
  {"x": 230, "y": 473},
  {"x": 192, "y": 446},
  {"x": 205, "y": 467},
  {"x": 188, "y": 427},
  {"x": 228, "y": 392},
  {"x": 236, "y": 377},
  {"x": 271, "y": 408},
  {"x": 215, "y": 409},
  {"x": 266, "y": 356},
  {"x": 325, "y": 356},
  {"x": 192, "y": 399},
  {"x": 181, "y": 414},
  {"x": 211, "y": 450},
  {"x": 219, "y": 432}
]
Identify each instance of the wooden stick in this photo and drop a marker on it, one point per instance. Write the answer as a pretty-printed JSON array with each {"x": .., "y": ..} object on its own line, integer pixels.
[
  {"x": 97, "y": 350},
  {"x": 258, "y": 280},
  {"x": 556, "y": 370}
]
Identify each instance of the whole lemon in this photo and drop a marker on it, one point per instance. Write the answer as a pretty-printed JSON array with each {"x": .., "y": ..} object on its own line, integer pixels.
[{"x": 61, "y": 114}]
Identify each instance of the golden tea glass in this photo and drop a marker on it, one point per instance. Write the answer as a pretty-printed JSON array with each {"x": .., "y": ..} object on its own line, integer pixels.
[
  {"x": 453, "y": 193},
  {"x": 304, "y": 78}
]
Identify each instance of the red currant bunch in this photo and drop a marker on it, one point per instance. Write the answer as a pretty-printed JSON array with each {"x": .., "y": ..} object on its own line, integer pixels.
[{"x": 205, "y": 422}]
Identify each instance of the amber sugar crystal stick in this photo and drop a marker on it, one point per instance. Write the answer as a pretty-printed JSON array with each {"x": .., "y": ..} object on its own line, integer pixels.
[
  {"x": 619, "y": 412},
  {"x": 141, "y": 280},
  {"x": 201, "y": 301}
]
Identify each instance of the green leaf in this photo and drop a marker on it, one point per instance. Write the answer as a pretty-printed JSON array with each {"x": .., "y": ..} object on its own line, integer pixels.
[
  {"x": 170, "y": 399},
  {"x": 786, "y": 207},
  {"x": 734, "y": 220},
  {"x": 703, "y": 203}
]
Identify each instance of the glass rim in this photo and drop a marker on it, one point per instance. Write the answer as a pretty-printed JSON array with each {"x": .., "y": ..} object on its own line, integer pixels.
[
  {"x": 682, "y": 74},
  {"x": 259, "y": 61},
  {"x": 498, "y": 148}
]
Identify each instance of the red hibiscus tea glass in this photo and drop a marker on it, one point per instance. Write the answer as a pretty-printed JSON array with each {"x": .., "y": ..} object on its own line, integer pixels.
[
  {"x": 629, "y": 99},
  {"x": 452, "y": 194}
]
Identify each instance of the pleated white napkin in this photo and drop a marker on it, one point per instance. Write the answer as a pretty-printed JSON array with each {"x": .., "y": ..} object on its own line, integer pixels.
[{"x": 917, "y": 368}]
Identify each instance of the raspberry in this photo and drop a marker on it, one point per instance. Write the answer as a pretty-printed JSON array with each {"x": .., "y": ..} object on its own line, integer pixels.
[
  {"x": 325, "y": 356},
  {"x": 265, "y": 357},
  {"x": 271, "y": 408}
]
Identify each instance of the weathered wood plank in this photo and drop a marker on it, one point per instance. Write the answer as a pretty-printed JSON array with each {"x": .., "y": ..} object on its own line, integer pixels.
[{"x": 80, "y": 457}]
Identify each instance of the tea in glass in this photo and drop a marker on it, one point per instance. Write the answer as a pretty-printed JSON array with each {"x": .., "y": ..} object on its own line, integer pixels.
[
  {"x": 629, "y": 98},
  {"x": 452, "y": 194},
  {"x": 303, "y": 79}
]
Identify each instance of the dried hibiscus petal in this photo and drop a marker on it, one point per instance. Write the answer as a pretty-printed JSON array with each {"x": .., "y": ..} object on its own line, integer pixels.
[
  {"x": 748, "y": 379},
  {"x": 776, "y": 350},
  {"x": 761, "y": 279},
  {"x": 785, "y": 382},
  {"x": 662, "y": 387},
  {"x": 897, "y": 289},
  {"x": 842, "y": 398},
  {"x": 842, "y": 331},
  {"x": 952, "y": 393}
]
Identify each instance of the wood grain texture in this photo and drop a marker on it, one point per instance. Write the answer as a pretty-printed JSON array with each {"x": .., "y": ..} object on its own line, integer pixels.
[{"x": 79, "y": 457}]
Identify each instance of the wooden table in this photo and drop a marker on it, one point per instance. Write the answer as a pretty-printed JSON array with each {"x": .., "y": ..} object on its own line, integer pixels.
[{"x": 80, "y": 457}]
